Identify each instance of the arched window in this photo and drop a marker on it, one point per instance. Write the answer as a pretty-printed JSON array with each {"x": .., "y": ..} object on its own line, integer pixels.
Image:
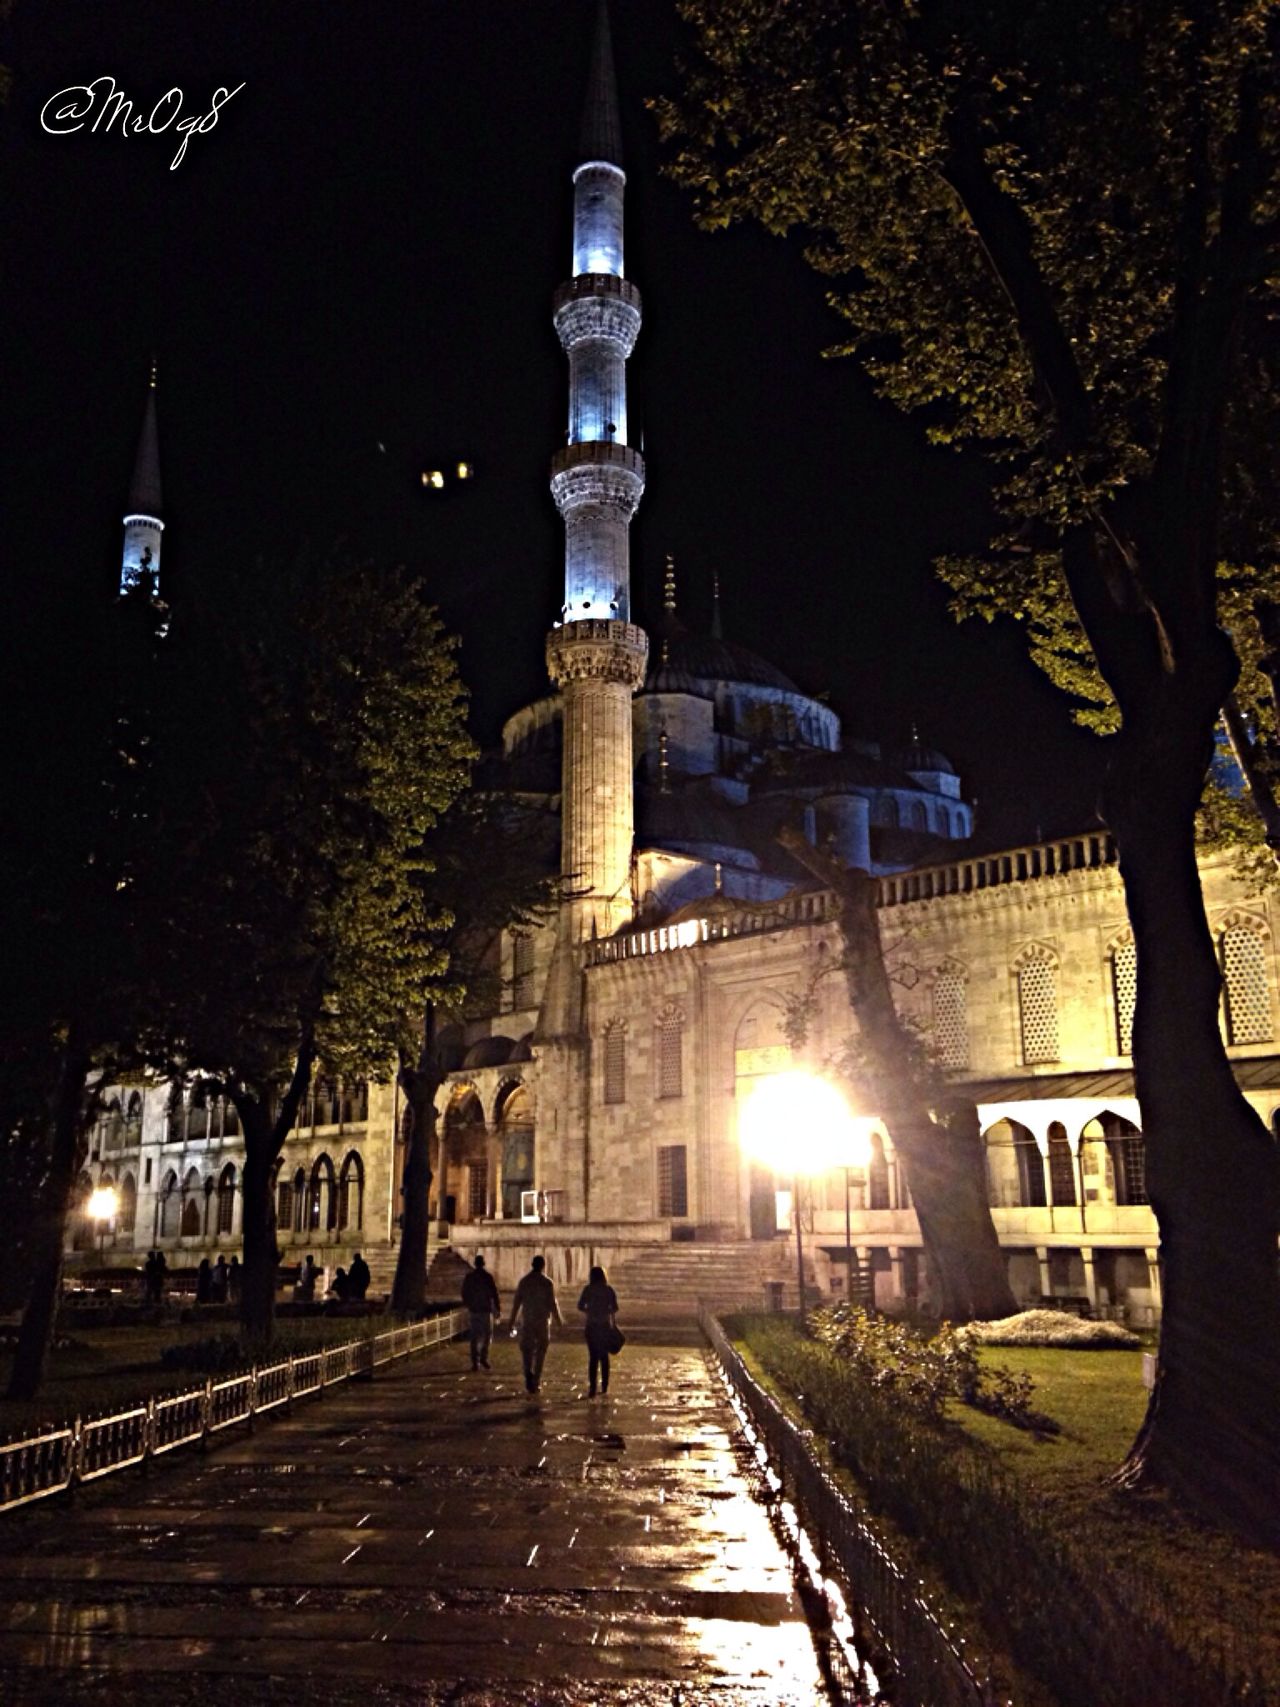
[
  {"x": 951, "y": 1017},
  {"x": 917, "y": 817},
  {"x": 299, "y": 1200},
  {"x": 128, "y": 1215},
  {"x": 351, "y": 1193},
  {"x": 1244, "y": 974},
  {"x": 230, "y": 1119},
  {"x": 177, "y": 1115},
  {"x": 322, "y": 1209},
  {"x": 226, "y": 1198},
  {"x": 887, "y": 813},
  {"x": 1015, "y": 1169},
  {"x": 112, "y": 1125},
  {"x": 521, "y": 969},
  {"x": 192, "y": 1219},
  {"x": 671, "y": 1052},
  {"x": 1127, "y": 1151},
  {"x": 169, "y": 1206},
  {"x": 198, "y": 1114},
  {"x": 327, "y": 1107},
  {"x": 615, "y": 1061},
  {"x": 1124, "y": 990},
  {"x": 133, "y": 1119},
  {"x": 1038, "y": 1006},
  {"x": 1062, "y": 1168},
  {"x": 355, "y": 1102}
]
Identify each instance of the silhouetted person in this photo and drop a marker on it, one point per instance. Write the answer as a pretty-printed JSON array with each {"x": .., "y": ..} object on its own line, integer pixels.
[
  {"x": 534, "y": 1309},
  {"x": 480, "y": 1295},
  {"x": 358, "y": 1276},
  {"x": 158, "y": 1277},
  {"x": 235, "y": 1280},
  {"x": 220, "y": 1281},
  {"x": 204, "y": 1282},
  {"x": 305, "y": 1290},
  {"x": 341, "y": 1288},
  {"x": 599, "y": 1303}
]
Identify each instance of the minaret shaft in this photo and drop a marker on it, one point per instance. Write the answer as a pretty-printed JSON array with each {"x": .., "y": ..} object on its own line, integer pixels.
[{"x": 595, "y": 655}]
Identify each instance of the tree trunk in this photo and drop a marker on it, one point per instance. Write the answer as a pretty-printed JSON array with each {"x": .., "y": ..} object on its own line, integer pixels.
[
  {"x": 944, "y": 1160},
  {"x": 263, "y": 1141},
  {"x": 258, "y": 1214},
  {"x": 420, "y": 1086},
  {"x": 68, "y": 1116},
  {"x": 1212, "y": 1429}
]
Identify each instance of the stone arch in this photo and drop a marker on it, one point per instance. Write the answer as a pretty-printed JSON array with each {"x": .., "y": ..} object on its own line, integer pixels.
[
  {"x": 517, "y": 1149},
  {"x": 192, "y": 1222},
  {"x": 1246, "y": 985},
  {"x": 322, "y": 1208},
  {"x": 1015, "y": 1166},
  {"x": 227, "y": 1198},
  {"x": 351, "y": 1193},
  {"x": 1113, "y": 1160},
  {"x": 949, "y": 1002},
  {"x": 299, "y": 1199},
  {"x": 760, "y": 1042},
  {"x": 1035, "y": 970},
  {"x": 167, "y": 1221}
]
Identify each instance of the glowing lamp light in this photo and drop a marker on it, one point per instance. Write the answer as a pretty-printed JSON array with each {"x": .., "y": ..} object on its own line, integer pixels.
[
  {"x": 465, "y": 471},
  {"x": 797, "y": 1123},
  {"x": 433, "y": 477},
  {"x": 102, "y": 1204}
]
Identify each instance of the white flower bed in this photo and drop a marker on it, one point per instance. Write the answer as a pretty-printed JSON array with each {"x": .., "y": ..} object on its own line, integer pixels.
[{"x": 1054, "y": 1328}]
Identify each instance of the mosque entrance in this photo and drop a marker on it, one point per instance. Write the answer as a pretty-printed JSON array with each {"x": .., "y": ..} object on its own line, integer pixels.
[
  {"x": 763, "y": 1203},
  {"x": 517, "y": 1153}
]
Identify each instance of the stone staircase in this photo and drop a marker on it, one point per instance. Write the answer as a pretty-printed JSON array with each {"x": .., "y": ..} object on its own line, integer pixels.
[{"x": 663, "y": 1287}]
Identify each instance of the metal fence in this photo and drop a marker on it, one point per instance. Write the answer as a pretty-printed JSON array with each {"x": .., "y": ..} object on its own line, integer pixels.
[
  {"x": 888, "y": 1618},
  {"x": 95, "y": 1446}
]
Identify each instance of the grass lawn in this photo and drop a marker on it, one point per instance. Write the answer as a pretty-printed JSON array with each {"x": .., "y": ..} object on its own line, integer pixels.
[
  {"x": 1229, "y": 1590},
  {"x": 103, "y": 1369}
]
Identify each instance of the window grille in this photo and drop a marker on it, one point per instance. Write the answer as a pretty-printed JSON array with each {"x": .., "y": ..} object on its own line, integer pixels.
[
  {"x": 284, "y": 1206},
  {"x": 1062, "y": 1173},
  {"x": 351, "y": 1194},
  {"x": 1244, "y": 971},
  {"x": 951, "y": 1019},
  {"x": 1038, "y": 1001},
  {"x": 615, "y": 1063},
  {"x": 522, "y": 970},
  {"x": 673, "y": 1180},
  {"x": 226, "y": 1199},
  {"x": 1124, "y": 985},
  {"x": 671, "y": 1056},
  {"x": 477, "y": 1191},
  {"x": 1129, "y": 1162}
]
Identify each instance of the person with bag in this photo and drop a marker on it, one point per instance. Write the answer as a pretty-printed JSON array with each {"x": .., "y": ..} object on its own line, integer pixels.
[{"x": 599, "y": 1303}]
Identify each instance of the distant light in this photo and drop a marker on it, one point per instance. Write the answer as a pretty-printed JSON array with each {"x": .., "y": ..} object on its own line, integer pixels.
[
  {"x": 102, "y": 1203},
  {"x": 465, "y": 471},
  {"x": 433, "y": 477}
]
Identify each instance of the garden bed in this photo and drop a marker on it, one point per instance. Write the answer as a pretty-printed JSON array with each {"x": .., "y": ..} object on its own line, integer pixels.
[{"x": 1111, "y": 1601}]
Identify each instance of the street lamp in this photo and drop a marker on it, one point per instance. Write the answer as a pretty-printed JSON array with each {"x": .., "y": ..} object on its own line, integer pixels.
[
  {"x": 798, "y": 1124},
  {"x": 101, "y": 1207}
]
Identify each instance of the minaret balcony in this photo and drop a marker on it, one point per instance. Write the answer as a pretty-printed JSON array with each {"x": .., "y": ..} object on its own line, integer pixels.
[
  {"x": 597, "y": 284},
  {"x": 598, "y": 453},
  {"x": 598, "y": 473}
]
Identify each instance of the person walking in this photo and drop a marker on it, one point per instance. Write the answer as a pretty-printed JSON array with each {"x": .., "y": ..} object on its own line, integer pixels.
[
  {"x": 599, "y": 1303},
  {"x": 480, "y": 1295},
  {"x": 532, "y": 1313}
]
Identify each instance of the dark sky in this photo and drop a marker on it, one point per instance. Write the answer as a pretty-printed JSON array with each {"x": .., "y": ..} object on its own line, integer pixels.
[{"x": 363, "y": 252}]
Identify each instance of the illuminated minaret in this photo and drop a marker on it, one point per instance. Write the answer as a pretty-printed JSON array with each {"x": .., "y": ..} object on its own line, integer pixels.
[
  {"x": 595, "y": 654},
  {"x": 142, "y": 523}
]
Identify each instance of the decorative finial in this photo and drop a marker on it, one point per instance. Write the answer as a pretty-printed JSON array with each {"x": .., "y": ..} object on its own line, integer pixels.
[
  {"x": 716, "y": 632},
  {"x": 664, "y": 763},
  {"x": 669, "y": 587},
  {"x": 719, "y": 878},
  {"x": 915, "y": 733},
  {"x": 154, "y": 365},
  {"x": 666, "y": 651},
  {"x": 601, "y": 130}
]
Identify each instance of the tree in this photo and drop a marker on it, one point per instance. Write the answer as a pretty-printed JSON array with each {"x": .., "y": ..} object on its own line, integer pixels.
[
  {"x": 1054, "y": 231},
  {"x": 74, "y": 926},
  {"x": 943, "y": 1153},
  {"x": 314, "y": 735},
  {"x": 488, "y": 875}
]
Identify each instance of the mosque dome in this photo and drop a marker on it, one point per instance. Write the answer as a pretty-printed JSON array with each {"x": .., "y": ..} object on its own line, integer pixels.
[
  {"x": 680, "y": 661},
  {"x": 918, "y": 757}
]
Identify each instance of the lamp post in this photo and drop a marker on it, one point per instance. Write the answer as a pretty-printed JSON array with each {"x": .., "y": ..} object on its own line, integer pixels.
[
  {"x": 856, "y": 1158},
  {"x": 101, "y": 1208},
  {"x": 799, "y": 1125}
]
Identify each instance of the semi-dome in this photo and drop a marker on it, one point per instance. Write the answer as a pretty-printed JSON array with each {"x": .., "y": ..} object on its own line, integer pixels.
[
  {"x": 489, "y": 1052},
  {"x": 918, "y": 757}
]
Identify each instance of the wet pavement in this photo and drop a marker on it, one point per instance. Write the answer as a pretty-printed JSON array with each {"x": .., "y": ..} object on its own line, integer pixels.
[{"x": 435, "y": 1536}]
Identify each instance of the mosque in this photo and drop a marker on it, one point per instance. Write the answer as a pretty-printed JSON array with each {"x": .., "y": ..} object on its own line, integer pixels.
[{"x": 596, "y": 1116}]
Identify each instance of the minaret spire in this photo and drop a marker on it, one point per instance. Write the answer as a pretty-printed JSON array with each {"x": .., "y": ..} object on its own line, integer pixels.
[
  {"x": 601, "y": 129},
  {"x": 142, "y": 519},
  {"x": 595, "y": 654},
  {"x": 717, "y": 628}
]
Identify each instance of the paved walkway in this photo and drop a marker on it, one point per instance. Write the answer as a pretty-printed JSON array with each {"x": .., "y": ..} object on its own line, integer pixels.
[{"x": 432, "y": 1537}]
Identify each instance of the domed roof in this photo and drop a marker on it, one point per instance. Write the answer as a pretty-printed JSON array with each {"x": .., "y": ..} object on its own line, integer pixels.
[
  {"x": 918, "y": 757},
  {"x": 490, "y": 1052},
  {"x": 680, "y": 659}
]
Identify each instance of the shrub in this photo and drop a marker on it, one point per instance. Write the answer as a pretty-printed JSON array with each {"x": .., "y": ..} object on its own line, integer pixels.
[{"x": 922, "y": 1372}]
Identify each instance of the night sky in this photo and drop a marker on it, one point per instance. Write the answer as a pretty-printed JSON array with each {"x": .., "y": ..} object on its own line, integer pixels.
[{"x": 360, "y": 255}]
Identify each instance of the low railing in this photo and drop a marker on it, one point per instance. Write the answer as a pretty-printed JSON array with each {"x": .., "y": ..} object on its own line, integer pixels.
[
  {"x": 928, "y": 1666},
  {"x": 88, "y": 1448}
]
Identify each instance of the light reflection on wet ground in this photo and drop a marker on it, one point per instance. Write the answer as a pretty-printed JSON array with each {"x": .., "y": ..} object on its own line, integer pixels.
[{"x": 435, "y": 1536}]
